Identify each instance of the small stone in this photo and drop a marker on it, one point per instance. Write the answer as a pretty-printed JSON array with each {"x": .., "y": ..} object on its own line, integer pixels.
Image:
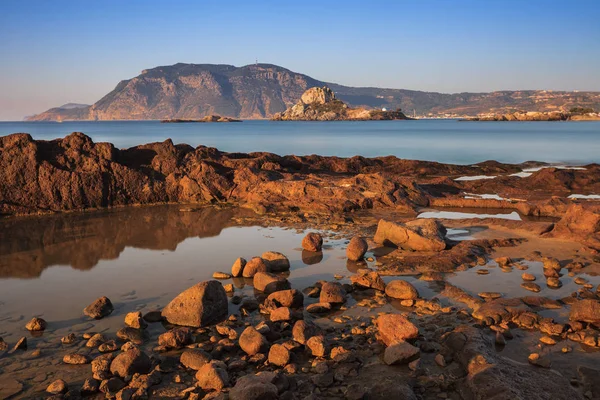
[
  {"x": 318, "y": 308},
  {"x": 401, "y": 353},
  {"x": 221, "y": 275},
  {"x": 547, "y": 340},
  {"x": 332, "y": 292},
  {"x": 57, "y": 387},
  {"x": 533, "y": 287},
  {"x": 135, "y": 320},
  {"x": 317, "y": 346},
  {"x": 176, "y": 338},
  {"x": 276, "y": 262},
  {"x": 229, "y": 288},
  {"x": 253, "y": 342},
  {"x": 356, "y": 248},
  {"x": 108, "y": 347},
  {"x": 312, "y": 242},
  {"x": 490, "y": 295},
  {"x": 302, "y": 331},
  {"x": 553, "y": 283},
  {"x": 279, "y": 355},
  {"x": 483, "y": 271},
  {"x": 21, "y": 344},
  {"x": 76, "y": 359},
  {"x": 130, "y": 362},
  {"x": 528, "y": 277},
  {"x": 90, "y": 386},
  {"x": 237, "y": 269},
  {"x": 212, "y": 377},
  {"x": 194, "y": 358},
  {"x": 96, "y": 340},
  {"x": 36, "y": 324},
  {"x": 537, "y": 360},
  {"x": 281, "y": 314},
  {"x": 440, "y": 360},
  {"x": 100, "y": 308},
  {"x": 69, "y": 339},
  {"x": 401, "y": 289}
]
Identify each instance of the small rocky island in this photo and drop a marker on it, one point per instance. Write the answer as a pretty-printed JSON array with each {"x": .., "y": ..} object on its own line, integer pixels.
[
  {"x": 320, "y": 104},
  {"x": 208, "y": 118}
]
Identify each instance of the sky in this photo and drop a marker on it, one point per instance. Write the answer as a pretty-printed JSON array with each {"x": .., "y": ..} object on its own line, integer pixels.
[{"x": 55, "y": 52}]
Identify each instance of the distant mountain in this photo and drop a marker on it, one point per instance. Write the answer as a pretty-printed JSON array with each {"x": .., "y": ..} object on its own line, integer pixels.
[
  {"x": 262, "y": 90},
  {"x": 70, "y": 106}
]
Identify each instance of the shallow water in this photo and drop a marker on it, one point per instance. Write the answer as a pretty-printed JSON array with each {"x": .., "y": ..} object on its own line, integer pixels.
[
  {"x": 510, "y": 215},
  {"x": 448, "y": 141},
  {"x": 140, "y": 258}
]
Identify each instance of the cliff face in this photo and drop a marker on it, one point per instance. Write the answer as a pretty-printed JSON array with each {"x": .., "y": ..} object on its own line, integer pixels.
[
  {"x": 196, "y": 91},
  {"x": 260, "y": 91}
]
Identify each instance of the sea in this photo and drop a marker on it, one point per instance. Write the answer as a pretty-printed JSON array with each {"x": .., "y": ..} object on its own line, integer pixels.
[{"x": 447, "y": 141}]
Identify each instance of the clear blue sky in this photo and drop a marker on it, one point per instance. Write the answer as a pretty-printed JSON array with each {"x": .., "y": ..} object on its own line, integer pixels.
[{"x": 53, "y": 52}]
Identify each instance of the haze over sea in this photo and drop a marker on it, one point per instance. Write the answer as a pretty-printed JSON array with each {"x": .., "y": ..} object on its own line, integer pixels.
[{"x": 447, "y": 141}]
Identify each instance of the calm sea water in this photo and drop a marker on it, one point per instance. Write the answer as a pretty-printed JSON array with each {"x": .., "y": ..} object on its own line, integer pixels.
[{"x": 448, "y": 141}]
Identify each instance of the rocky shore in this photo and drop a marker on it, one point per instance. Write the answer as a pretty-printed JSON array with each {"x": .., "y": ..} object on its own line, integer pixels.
[
  {"x": 360, "y": 336},
  {"x": 370, "y": 333}
]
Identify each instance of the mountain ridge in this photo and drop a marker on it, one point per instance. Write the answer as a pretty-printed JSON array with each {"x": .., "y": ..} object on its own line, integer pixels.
[{"x": 258, "y": 91}]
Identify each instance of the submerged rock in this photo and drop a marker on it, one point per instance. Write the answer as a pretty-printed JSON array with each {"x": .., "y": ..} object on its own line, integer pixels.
[
  {"x": 332, "y": 292},
  {"x": 368, "y": 279},
  {"x": 203, "y": 304}
]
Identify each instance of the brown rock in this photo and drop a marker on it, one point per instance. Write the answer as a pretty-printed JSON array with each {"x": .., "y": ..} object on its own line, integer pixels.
[
  {"x": 76, "y": 359},
  {"x": 395, "y": 328},
  {"x": 252, "y": 387},
  {"x": 101, "y": 366},
  {"x": 528, "y": 277},
  {"x": 237, "y": 269},
  {"x": 401, "y": 353},
  {"x": 312, "y": 242},
  {"x": 176, "y": 338},
  {"x": 281, "y": 314},
  {"x": 100, "y": 308},
  {"x": 268, "y": 282},
  {"x": 57, "y": 387},
  {"x": 285, "y": 298},
  {"x": 368, "y": 279},
  {"x": 276, "y": 262},
  {"x": 533, "y": 287},
  {"x": 36, "y": 324},
  {"x": 302, "y": 331},
  {"x": 279, "y": 355},
  {"x": 332, "y": 292},
  {"x": 587, "y": 310},
  {"x": 317, "y": 346},
  {"x": 356, "y": 248},
  {"x": 203, "y": 304},
  {"x": 318, "y": 308},
  {"x": 401, "y": 289},
  {"x": 253, "y": 342},
  {"x": 135, "y": 320},
  {"x": 130, "y": 362},
  {"x": 211, "y": 377},
  {"x": 418, "y": 235},
  {"x": 256, "y": 264},
  {"x": 194, "y": 358}
]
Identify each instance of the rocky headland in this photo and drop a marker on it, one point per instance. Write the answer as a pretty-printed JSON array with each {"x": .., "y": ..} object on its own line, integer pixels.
[
  {"x": 538, "y": 116},
  {"x": 320, "y": 104},
  {"x": 366, "y": 334}
]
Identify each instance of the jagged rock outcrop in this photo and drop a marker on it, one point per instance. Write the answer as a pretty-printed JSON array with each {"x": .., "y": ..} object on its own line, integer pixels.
[
  {"x": 320, "y": 104},
  {"x": 537, "y": 116}
]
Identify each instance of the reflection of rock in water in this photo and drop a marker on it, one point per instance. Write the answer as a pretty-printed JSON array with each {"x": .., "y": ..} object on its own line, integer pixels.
[
  {"x": 312, "y": 257},
  {"x": 29, "y": 245},
  {"x": 354, "y": 266}
]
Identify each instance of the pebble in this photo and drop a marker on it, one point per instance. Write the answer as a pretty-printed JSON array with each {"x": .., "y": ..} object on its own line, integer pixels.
[
  {"x": 533, "y": 287},
  {"x": 483, "y": 271},
  {"x": 528, "y": 277}
]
